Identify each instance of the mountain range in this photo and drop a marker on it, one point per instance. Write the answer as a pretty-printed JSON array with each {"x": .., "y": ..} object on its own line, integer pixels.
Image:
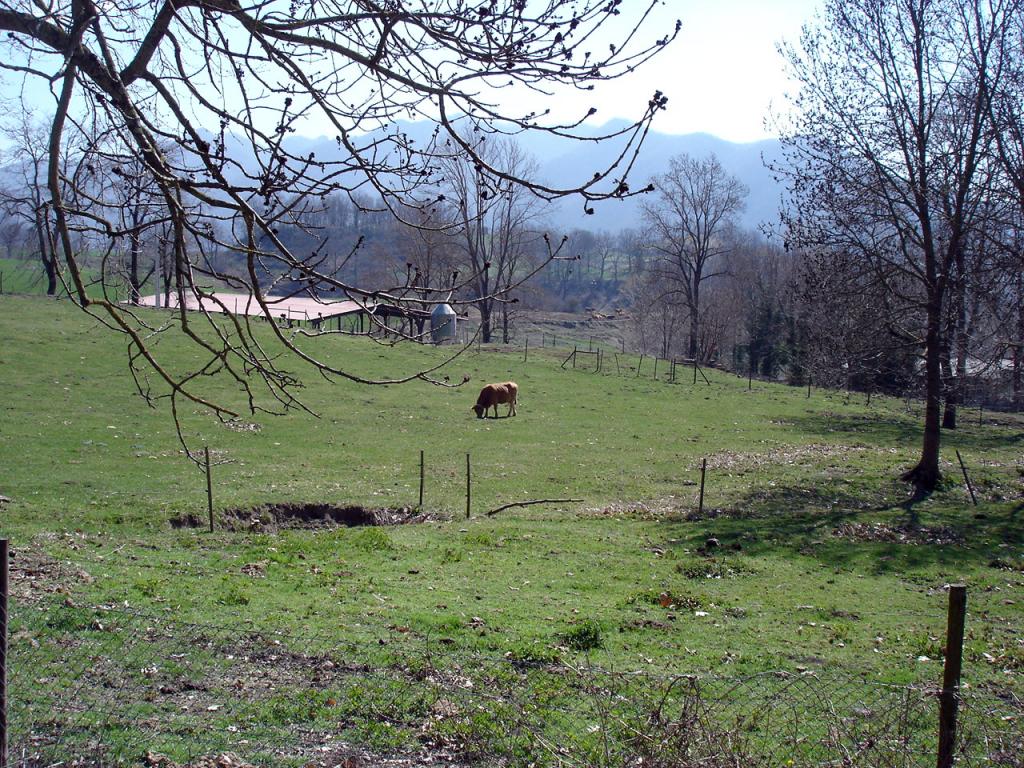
[
  {"x": 565, "y": 163},
  {"x": 568, "y": 163}
]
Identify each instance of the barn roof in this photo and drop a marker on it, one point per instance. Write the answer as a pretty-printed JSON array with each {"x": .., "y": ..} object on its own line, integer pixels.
[{"x": 292, "y": 307}]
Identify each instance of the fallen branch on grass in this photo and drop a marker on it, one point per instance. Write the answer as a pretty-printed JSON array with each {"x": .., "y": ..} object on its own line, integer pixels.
[{"x": 531, "y": 503}]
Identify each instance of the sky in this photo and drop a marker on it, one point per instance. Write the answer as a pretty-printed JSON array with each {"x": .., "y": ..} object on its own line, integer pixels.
[{"x": 722, "y": 74}]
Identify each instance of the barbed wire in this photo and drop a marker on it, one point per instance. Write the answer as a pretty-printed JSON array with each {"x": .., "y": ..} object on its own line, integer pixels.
[{"x": 94, "y": 686}]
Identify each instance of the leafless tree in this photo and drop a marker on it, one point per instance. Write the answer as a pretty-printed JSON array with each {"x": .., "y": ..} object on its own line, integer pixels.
[
  {"x": 431, "y": 263},
  {"x": 886, "y": 147},
  {"x": 24, "y": 197},
  {"x": 13, "y": 232},
  {"x": 494, "y": 223},
  {"x": 225, "y": 85},
  {"x": 1006, "y": 102},
  {"x": 695, "y": 206}
]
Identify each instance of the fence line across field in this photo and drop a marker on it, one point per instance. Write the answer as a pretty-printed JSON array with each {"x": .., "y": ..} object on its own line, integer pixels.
[
  {"x": 109, "y": 683},
  {"x": 98, "y": 563}
]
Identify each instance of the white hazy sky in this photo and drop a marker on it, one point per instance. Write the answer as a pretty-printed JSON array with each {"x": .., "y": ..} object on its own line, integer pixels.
[{"x": 722, "y": 74}]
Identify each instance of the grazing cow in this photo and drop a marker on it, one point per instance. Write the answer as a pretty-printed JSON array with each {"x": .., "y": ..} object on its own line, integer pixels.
[{"x": 493, "y": 394}]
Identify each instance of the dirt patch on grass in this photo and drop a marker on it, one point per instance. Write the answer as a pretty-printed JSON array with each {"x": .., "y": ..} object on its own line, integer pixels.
[
  {"x": 813, "y": 454},
  {"x": 273, "y": 517},
  {"x": 35, "y": 575},
  {"x": 339, "y": 756},
  {"x": 659, "y": 509},
  {"x": 899, "y": 534}
]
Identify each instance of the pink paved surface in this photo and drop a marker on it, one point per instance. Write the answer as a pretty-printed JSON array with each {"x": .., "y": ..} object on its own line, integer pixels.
[{"x": 295, "y": 308}]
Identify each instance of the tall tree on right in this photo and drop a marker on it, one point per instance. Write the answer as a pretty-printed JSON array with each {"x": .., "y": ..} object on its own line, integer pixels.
[
  {"x": 886, "y": 152},
  {"x": 1007, "y": 105}
]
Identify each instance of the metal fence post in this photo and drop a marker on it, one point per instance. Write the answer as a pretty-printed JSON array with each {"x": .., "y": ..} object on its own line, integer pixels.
[
  {"x": 703, "y": 471},
  {"x": 967, "y": 478},
  {"x": 950, "y": 694},
  {"x": 209, "y": 487},
  {"x": 468, "y": 491},
  {"x": 4, "y": 603}
]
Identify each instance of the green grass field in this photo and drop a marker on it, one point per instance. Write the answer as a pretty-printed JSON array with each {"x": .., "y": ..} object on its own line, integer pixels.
[
  {"x": 22, "y": 276},
  {"x": 822, "y": 564}
]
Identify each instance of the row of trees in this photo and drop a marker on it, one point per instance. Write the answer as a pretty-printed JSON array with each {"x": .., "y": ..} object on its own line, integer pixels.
[
  {"x": 692, "y": 282},
  {"x": 688, "y": 265}
]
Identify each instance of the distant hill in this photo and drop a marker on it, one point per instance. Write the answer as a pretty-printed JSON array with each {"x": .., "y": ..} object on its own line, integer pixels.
[
  {"x": 741, "y": 160},
  {"x": 566, "y": 163}
]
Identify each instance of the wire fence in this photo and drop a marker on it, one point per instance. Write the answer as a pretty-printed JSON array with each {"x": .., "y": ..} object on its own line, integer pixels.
[{"x": 109, "y": 685}]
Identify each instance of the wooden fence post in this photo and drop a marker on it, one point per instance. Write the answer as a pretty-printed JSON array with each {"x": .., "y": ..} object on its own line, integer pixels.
[
  {"x": 421, "y": 479},
  {"x": 4, "y": 603},
  {"x": 950, "y": 694},
  {"x": 526, "y": 349},
  {"x": 468, "y": 491},
  {"x": 209, "y": 487}
]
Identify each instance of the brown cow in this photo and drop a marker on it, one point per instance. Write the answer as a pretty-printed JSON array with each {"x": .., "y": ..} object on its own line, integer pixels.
[{"x": 493, "y": 394}]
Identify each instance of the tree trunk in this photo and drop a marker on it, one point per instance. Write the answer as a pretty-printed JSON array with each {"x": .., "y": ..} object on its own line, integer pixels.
[
  {"x": 950, "y": 385},
  {"x": 956, "y": 338},
  {"x": 925, "y": 475},
  {"x": 692, "y": 351},
  {"x": 1017, "y": 378},
  {"x": 485, "y": 321},
  {"x": 134, "y": 289},
  {"x": 1018, "y": 348},
  {"x": 49, "y": 262}
]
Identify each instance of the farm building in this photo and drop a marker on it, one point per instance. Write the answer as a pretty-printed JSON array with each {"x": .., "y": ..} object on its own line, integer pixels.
[{"x": 298, "y": 309}]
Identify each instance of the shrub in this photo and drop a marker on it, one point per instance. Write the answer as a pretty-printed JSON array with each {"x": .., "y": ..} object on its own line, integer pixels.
[{"x": 585, "y": 636}]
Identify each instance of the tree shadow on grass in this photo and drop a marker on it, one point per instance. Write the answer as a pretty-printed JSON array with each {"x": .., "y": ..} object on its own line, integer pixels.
[
  {"x": 869, "y": 530},
  {"x": 904, "y": 432}
]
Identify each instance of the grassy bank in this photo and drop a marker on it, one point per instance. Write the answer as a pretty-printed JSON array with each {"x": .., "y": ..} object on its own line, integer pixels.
[{"x": 821, "y": 562}]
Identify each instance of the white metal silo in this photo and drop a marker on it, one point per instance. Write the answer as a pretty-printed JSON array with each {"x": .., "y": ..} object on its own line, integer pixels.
[{"x": 442, "y": 324}]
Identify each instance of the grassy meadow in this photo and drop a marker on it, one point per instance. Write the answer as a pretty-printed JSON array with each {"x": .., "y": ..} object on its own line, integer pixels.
[{"x": 822, "y": 562}]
